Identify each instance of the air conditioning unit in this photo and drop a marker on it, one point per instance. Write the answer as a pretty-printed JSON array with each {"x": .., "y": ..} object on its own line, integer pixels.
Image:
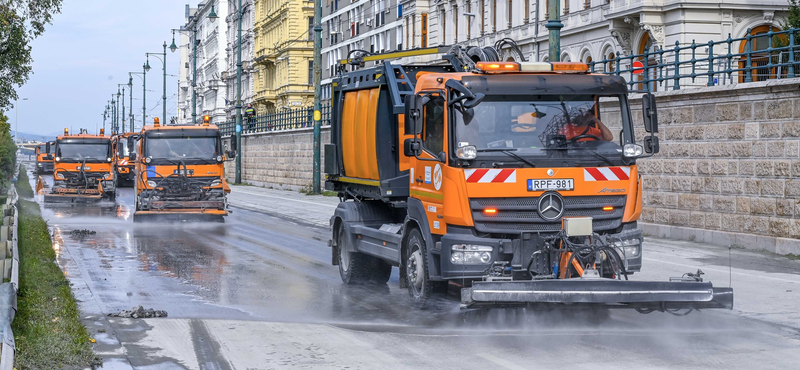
[{"x": 369, "y": 22}]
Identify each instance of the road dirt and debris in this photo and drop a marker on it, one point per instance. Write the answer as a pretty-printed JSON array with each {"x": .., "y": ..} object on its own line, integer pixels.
[
  {"x": 82, "y": 232},
  {"x": 139, "y": 312}
]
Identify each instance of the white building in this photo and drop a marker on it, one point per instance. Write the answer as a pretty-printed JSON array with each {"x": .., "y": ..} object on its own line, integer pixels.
[
  {"x": 593, "y": 29},
  {"x": 248, "y": 51},
  {"x": 210, "y": 38}
]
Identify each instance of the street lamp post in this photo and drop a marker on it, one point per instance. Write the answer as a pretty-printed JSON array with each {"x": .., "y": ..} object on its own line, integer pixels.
[
  {"x": 144, "y": 95},
  {"x": 317, "y": 91},
  {"x": 164, "y": 69},
  {"x": 130, "y": 106},
  {"x": 554, "y": 25},
  {"x": 122, "y": 128},
  {"x": 16, "y": 119},
  {"x": 114, "y": 109},
  {"x": 238, "y": 177}
]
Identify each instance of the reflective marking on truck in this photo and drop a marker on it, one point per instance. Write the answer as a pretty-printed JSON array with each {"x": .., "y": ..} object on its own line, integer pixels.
[
  {"x": 485, "y": 175},
  {"x": 606, "y": 174},
  {"x": 426, "y": 194}
]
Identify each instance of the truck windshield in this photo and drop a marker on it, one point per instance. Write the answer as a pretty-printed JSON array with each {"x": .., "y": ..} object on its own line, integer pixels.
[
  {"x": 528, "y": 124},
  {"x": 122, "y": 149},
  {"x": 181, "y": 148},
  {"x": 78, "y": 152}
]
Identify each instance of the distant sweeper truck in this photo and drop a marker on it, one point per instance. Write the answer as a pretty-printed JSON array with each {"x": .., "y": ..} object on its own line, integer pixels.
[
  {"x": 501, "y": 178},
  {"x": 180, "y": 173},
  {"x": 82, "y": 169}
]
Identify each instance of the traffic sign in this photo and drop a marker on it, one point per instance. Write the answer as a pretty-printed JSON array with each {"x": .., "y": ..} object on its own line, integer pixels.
[{"x": 637, "y": 67}]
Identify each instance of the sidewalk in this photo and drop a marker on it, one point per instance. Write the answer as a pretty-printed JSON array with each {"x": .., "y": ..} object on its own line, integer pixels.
[{"x": 315, "y": 210}]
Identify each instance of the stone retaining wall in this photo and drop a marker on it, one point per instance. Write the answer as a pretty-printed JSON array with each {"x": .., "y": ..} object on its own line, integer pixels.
[
  {"x": 728, "y": 165},
  {"x": 282, "y": 160}
]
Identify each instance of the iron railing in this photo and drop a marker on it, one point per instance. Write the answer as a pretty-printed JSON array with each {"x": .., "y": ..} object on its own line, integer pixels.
[
  {"x": 713, "y": 63},
  {"x": 288, "y": 119}
]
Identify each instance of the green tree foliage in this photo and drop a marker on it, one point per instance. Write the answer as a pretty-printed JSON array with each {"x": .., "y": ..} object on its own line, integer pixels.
[
  {"x": 21, "y": 21},
  {"x": 793, "y": 20},
  {"x": 8, "y": 152}
]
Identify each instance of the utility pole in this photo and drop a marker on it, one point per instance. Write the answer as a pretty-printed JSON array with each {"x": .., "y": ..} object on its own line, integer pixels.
[
  {"x": 144, "y": 94},
  {"x": 105, "y": 113},
  {"x": 554, "y": 25},
  {"x": 317, "y": 91},
  {"x": 194, "y": 75},
  {"x": 238, "y": 177},
  {"x": 122, "y": 128},
  {"x": 130, "y": 106},
  {"x": 164, "y": 94}
]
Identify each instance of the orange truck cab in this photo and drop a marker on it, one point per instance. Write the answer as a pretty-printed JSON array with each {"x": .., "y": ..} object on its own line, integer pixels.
[
  {"x": 123, "y": 166},
  {"x": 83, "y": 169},
  {"x": 469, "y": 173},
  {"x": 180, "y": 173},
  {"x": 44, "y": 160}
]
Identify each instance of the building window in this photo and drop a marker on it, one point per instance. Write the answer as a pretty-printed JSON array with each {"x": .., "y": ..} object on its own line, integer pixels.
[
  {"x": 566, "y": 7},
  {"x": 310, "y": 28},
  {"x": 508, "y": 12},
  {"x": 455, "y": 24},
  {"x": 483, "y": 18},
  {"x": 407, "y": 31},
  {"x": 310, "y": 72},
  {"x": 424, "y": 31},
  {"x": 469, "y": 20},
  {"x": 444, "y": 28},
  {"x": 494, "y": 16},
  {"x": 587, "y": 4},
  {"x": 413, "y": 30}
]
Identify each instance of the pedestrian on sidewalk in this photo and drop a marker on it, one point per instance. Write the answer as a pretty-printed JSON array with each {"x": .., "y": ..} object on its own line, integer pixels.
[{"x": 250, "y": 116}]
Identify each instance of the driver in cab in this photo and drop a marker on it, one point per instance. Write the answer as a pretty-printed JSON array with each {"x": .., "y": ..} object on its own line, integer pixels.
[{"x": 586, "y": 127}]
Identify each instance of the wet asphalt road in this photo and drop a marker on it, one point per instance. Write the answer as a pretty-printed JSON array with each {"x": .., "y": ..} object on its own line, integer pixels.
[{"x": 259, "y": 292}]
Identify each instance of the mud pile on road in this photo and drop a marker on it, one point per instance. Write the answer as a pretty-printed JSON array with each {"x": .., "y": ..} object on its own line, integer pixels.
[
  {"x": 139, "y": 312},
  {"x": 82, "y": 233}
]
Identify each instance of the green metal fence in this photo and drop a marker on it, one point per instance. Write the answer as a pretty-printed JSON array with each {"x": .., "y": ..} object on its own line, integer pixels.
[
  {"x": 288, "y": 119},
  {"x": 769, "y": 55}
]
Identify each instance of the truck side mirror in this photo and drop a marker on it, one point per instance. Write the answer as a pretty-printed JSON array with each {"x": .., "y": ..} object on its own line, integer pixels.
[
  {"x": 132, "y": 156},
  {"x": 47, "y": 147},
  {"x": 231, "y": 154},
  {"x": 411, "y": 114},
  {"x": 650, "y": 113},
  {"x": 651, "y": 144}
]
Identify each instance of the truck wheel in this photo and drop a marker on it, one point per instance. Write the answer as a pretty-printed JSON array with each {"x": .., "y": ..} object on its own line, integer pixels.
[
  {"x": 420, "y": 287},
  {"x": 353, "y": 266}
]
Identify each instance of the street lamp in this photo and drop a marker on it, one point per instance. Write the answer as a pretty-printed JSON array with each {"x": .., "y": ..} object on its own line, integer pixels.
[
  {"x": 213, "y": 15},
  {"x": 130, "y": 89},
  {"x": 164, "y": 62},
  {"x": 113, "y": 113},
  {"x": 16, "y": 119},
  {"x": 144, "y": 94},
  {"x": 123, "y": 105},
  {"x": 238, "y": 140}
]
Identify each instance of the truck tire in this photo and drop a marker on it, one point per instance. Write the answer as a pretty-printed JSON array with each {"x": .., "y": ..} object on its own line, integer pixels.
[
  {"x": 354, "y": 267},
  {"x": 420, "y": 286}
]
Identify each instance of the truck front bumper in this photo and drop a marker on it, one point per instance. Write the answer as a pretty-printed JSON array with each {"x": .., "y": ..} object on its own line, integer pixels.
[
  {"x": 649, "y": 295},
  {"x": 518, "y": 251}
]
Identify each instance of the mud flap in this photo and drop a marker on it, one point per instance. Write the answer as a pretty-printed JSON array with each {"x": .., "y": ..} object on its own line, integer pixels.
[{"x": 607, "y": 292}]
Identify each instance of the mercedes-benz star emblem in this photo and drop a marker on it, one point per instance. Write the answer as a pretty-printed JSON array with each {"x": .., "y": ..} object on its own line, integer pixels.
[{"x": 551, "y": 206}]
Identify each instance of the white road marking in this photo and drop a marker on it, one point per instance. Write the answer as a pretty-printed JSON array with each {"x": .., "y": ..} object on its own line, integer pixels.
[
  {"x": 287, "y": 199},
  {"x": 734, "y": 272},
  {"x": 499, "y": 361}
]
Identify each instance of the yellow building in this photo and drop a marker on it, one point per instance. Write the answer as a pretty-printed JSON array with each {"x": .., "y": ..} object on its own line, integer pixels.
[{"x": 284, "y": 54}]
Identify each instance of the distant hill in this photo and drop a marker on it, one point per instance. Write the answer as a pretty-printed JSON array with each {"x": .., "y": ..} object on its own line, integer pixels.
[{"x": 38, "y": 137}]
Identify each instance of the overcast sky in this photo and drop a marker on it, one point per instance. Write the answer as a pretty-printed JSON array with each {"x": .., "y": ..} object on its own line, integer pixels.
[{"x": 89, "y": 49}]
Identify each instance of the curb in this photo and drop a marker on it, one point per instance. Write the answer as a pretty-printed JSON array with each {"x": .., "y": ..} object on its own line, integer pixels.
[{"x": 9, "y": 290}]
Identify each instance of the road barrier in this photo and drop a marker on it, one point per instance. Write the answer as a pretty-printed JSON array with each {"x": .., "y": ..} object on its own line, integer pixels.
[{"x": 9, "y": 265}]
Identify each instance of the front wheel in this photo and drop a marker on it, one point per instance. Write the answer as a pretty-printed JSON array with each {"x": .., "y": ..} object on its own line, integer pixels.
[{"x": 420, "y": 286}]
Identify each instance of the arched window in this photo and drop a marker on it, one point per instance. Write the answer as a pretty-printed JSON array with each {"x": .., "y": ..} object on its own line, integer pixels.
[
  {"x": 612, "y": 64},
  {"x": 758, "y": 54},
  {"x": 647, "y": 44},
  {"x": 565, "y": 57}
]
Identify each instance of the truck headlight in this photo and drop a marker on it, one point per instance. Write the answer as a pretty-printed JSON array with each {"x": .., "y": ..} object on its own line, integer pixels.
[
  {"x": 468, "y": 254},
  {"x": 148, "y": 160},
  {"x": 216, "y": 182},
  {"x": 467, "y": 152},
  {"x": 628, "y": 248},
  {"x": 632, "y": 150},
  {"x": 219, "y": 158},
  {"x": 58, "y": 158},
  {"x": 151, "y": 183},
  {"x": 108, "y": 159}
]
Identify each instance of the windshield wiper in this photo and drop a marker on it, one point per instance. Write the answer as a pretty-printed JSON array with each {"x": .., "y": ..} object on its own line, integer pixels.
[
  {"x": 509, "y": 152},
  {"x": 568, "y": 147}
]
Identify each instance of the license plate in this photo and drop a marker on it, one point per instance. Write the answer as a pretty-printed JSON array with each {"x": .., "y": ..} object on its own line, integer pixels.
[
  {"x": 183, "y": 172},
  {"x": 551, "y": 184},
  {"x": 84, "y": 168}
]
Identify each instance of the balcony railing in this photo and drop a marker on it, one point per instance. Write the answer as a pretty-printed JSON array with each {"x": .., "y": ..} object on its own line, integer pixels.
[
  {"x": 714, "y": 63},
  {"x": 288, "y": 119}
]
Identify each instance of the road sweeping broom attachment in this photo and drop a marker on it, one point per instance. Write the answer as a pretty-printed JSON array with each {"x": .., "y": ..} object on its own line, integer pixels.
[{"x": 578, "y": 267}]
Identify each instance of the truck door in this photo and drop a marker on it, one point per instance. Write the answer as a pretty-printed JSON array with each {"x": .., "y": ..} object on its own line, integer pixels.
[{"x": 426, "y": 171}]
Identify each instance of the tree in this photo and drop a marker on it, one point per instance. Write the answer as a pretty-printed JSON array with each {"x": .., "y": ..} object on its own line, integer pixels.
[
  {"x": 793, "y": 20},
  {"x": 21, "y": 21},
  {"x": 8, "y": 152}
]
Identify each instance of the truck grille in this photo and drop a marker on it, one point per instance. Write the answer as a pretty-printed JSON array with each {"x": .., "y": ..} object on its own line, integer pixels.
[{"x": 515, "y": 215}]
